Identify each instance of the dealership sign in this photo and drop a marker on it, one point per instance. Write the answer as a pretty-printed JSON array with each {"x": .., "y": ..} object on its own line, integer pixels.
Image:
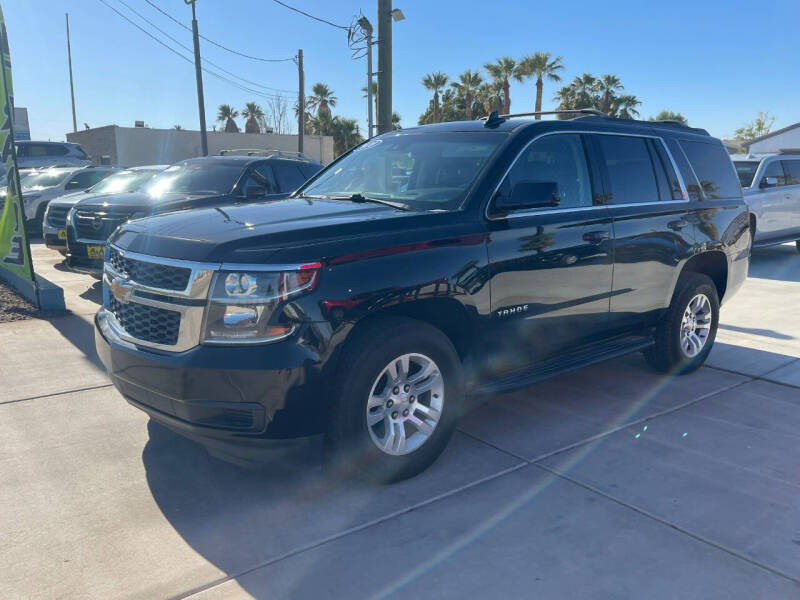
[{"x": 15, "y": 255}]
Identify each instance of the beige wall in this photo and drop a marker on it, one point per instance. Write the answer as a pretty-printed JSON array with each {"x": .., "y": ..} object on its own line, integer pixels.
[{"x": 136, "y": 146}]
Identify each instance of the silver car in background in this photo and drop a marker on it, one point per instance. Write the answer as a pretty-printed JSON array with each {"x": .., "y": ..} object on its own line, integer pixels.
[
  {"x": 771, "y": 185},
  {"x": 54, "y": 225}
]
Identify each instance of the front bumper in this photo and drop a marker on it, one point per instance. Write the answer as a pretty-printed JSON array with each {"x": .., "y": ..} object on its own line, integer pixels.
[
  {"x": 221, "y": 394},
  {"x": 51, "y": 238}
]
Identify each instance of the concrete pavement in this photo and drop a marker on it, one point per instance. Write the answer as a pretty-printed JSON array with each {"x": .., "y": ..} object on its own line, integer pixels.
[{"x": 611, "y": 482}]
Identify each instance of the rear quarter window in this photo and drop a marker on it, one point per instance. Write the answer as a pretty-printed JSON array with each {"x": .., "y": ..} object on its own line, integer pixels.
[{"x": 714, "y": 169}]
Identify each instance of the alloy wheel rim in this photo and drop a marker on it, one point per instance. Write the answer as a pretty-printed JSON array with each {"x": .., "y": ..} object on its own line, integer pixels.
[
  {"x": 696, "y": 325},
  {"x": 405, "y": 404}
]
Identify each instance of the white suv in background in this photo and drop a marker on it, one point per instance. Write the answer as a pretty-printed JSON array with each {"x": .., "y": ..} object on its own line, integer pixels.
[
  {"x": 50, "y": 154},
  {"x": 42, "y": 185},
  {"x": 771, "y": 185}
]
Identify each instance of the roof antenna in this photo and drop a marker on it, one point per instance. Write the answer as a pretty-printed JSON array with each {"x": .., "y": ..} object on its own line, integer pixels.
[{"x": 493, "y": 120}]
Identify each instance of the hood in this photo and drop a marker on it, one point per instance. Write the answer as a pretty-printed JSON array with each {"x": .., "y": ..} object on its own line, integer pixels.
[
  {"x": 252, "y": 232},
  {"x": 71, "y": 198},
  {"x": 140, "y": 204}
]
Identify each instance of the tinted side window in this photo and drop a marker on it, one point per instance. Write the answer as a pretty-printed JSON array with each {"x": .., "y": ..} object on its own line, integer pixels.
[
  {"x": 265, "y": 171},
  {"x": 692, "y": 185},
  {"x": 792, "y": 169},
  {"x": 309, "y": 170},
  {"x": 773, "y": 169},
  {"x": 56, "y": 150},
  {"x": 672, "y": 189},
  {"x": 81, "y": 181},
  {"x": 714, "y": 169},
  {"x": 556, "y": 162},
  {"x": 289, "y": 177},
  {"x": 35, "y": 150},
  {"x": 630, "y": 169}
]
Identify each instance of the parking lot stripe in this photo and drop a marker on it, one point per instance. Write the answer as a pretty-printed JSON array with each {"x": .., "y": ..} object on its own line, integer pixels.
[{"x": 83, "y": 389}]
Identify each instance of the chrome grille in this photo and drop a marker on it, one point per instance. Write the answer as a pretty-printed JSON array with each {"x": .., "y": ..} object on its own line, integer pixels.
[
  {"x": 97, "y": 225},
  {"x": 57, "y": 216},
  {"x": 166, "y": 277},
  {"x": 148, "y": 323}
]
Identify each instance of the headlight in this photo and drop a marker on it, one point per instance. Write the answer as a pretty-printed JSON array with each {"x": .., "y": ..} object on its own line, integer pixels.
[{"x": 243, "y": 306}]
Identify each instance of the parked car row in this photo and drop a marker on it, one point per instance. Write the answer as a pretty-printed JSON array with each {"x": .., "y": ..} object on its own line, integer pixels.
[
  {"x": 771, "y": 187},
  {"x": 421, "y": 268}
]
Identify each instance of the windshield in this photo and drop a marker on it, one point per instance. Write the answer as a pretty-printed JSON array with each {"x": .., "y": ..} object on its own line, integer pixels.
[
  {"x": 746, "y": 170},
  {"x": 44, "y": 179},
  {"x": 425, "y": 171},
  {"x": 124, "y": 181},
  {"x": 195, "y": 178}
]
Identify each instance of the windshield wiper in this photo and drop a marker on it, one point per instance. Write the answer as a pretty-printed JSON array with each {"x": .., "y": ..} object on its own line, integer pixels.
[{"x": 360, "y": 198}]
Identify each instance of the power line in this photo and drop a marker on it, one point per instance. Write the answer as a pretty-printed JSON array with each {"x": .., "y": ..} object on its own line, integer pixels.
[
  {"x": 205, "y": 60},
  {"x": 190, "y": 61},
  {"x": 310, "y": 16},
  {"x": 210, "y": 41}
]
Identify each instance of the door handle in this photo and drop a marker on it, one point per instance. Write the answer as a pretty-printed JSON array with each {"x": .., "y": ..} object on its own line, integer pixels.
[
  {"x": 677, "y": 225},
  {"x": 596, "y": 237}
]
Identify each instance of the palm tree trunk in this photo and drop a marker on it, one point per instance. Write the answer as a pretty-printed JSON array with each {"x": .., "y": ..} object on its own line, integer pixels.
[
  {"x": 468, "y": 101},
  {"x": 538, "y": 107},
  {"x": 506, "y": 97},
  {"x": 435, "y": 107}
]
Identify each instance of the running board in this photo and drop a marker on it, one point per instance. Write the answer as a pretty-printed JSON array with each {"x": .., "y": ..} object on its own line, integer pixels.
[
  {"x": 775, "y": 242},
  {"x": 564, "y": 364}
]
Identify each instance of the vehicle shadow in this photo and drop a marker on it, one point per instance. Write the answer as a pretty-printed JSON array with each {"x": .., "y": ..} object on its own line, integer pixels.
[
  {"x": 756, "y": 331},
  {"x": 79, "y": 332},
  {"x": 94, "y": 293},
  {"x": 239, "y": 519},
  {"x": 781, "y": 263}
]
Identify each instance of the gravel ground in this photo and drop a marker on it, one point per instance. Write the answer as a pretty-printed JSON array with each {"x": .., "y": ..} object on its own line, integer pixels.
[{"x": 14, "y": 307}]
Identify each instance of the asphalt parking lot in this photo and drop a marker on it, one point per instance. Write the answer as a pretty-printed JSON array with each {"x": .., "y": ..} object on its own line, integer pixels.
[{"x": 611, "y": 482}]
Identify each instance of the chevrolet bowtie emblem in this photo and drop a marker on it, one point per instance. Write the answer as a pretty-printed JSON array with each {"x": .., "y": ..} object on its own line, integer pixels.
[{"x": 121, "y": 290}]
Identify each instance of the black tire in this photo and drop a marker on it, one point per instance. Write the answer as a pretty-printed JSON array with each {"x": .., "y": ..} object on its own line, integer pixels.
[
  {"x": 666, "y": 355},
  {"x": 362, "y": 362}
]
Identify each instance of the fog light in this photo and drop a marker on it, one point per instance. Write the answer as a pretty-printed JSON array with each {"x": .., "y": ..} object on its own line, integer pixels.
[{"x": 239, "y": 316}]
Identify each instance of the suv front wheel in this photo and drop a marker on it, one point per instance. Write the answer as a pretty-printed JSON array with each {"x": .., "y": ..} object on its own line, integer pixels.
[
  {"x": 397, "y": 399},
  {"x": 685, "y": 335}
]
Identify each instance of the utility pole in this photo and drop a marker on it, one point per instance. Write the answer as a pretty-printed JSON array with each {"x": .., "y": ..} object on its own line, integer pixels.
[
  {"x": 384, "y": 65},
  {"x": 367, "y": 27},
  {"x": 198, "y": 72},
  {"x": 301, "y": 101},
  {"x": 71, "y": 87}
]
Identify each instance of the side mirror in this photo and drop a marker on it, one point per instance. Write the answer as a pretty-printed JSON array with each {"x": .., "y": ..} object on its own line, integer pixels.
[
  {"x": 768, "y": 182},
  {"x": 531, "y": 194},
  {"x": 255, "y": 191}
]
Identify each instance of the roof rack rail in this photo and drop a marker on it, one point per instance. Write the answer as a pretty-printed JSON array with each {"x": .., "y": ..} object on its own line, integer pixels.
[
  {"x": 261, "y": 152},
  {"x": 573, "y": 111}
]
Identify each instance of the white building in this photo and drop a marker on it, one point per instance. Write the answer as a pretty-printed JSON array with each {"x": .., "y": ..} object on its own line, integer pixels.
[
  {"x": 137, "y": 146},
  {"x": 782, "y": 140}
]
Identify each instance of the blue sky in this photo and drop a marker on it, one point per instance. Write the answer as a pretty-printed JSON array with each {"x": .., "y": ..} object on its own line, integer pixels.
[{"x": 718, "y": 62}]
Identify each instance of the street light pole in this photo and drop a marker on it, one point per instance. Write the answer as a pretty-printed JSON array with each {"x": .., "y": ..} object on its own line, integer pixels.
[
  {"x": 367, "y": 27},
  {"x": 71, "y": 87},
  {"x": 384, "y": 66},
  {"x": 301, "y": 102},
  {"x": 198, "y": 71}
]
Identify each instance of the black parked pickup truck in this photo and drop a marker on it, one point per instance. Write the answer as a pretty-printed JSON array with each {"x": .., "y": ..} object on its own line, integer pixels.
[{"x": 424, "y": 267}]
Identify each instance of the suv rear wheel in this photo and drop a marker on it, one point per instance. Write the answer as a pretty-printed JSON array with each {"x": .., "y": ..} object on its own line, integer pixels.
[
  {"x": 397, "y": 400},
  {"x": 684, "y": 337}
]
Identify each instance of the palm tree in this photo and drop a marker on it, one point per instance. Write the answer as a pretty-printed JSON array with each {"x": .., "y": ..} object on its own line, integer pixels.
[
  {"x": 396, "y": 122},
  {"x": 540, "y": 65},
  {"x": 321, "y": 98},
  {"x": 177, "y": 127},
  {"x": 501, "y": 71},
  {"x": 226, "y": 114},
  {"x": 322, "y": 123},
  {"x": 254, "y": 115},
  {"x": 467, "y": 84},
  {"x": 434, "y": 82},
  {"x": 490, "y": 97},
  {"x": 668, "y": 115},
  {"x": 306, "y": 118},
  {"x": 374, "y": 87},
  {"x": 607, "y": 87},
  {"x": 624, "y": 107},
  {"x": 345, "y": 134}
]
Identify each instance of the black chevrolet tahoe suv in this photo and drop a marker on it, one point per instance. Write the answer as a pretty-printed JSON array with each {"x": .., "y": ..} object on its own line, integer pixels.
[
  {"x": 191, "y": 183},
  {"x": 423, "y": 268}
]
